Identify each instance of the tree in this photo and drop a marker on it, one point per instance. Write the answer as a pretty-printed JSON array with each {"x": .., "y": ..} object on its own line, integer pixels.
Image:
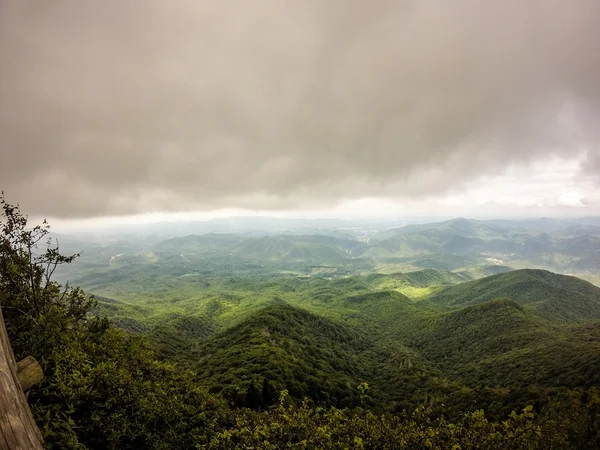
[
  {"x": 103, "y": 388},
  {"x": 31, "y": 300}
]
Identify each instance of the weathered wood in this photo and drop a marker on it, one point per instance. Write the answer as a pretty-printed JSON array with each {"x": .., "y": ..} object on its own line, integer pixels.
[
  {"x": 29, "y": 372},
  {"x": 18, "y": 430}
]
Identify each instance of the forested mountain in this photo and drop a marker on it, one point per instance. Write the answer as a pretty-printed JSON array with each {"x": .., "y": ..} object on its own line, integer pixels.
[
  {"x": 241, "y": 310},
  {"x": 470, "y": 247},
  {"x": 347, "y": 338},
  {"x": 552, "y": 296},
  {"x": 563, "y": 246},
  {"x": 386, "y": 339},
  {"x": 290, "y": 349}
]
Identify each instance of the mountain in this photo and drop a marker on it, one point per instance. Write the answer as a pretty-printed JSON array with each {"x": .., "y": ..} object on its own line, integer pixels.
[
  {"x": 290, "y": 348},
  {"x": 317, "y": 249},
  {"x": 467, "y": 228},
  {"x": 473, "y": 248},
  {"x": 428, "y": 318},
  {"x": 423, "y": 313},
  {"x": 433, "y": 277},
  {"x": 554, "y": 297},
  {"x": 559, "y": 245},
  {"x": 501, "y": 343},
  {"x": 481, "y": 271},
  {"x": 253, "y": 315},
  {"x": 407, "y": 351}
]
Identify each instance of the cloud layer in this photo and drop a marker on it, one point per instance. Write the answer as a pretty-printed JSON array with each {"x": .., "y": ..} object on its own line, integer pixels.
[{"x": 126, "y": 107}]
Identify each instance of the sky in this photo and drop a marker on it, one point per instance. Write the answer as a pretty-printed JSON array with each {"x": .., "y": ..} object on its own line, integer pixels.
[{"x": 146, "y": 110}]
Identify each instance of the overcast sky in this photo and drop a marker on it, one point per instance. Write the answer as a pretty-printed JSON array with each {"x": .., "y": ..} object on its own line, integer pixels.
[{"x": 307, "y": 107}]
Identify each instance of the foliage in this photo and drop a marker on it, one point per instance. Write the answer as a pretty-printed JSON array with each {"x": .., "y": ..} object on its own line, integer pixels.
[
  {"x": 289, "y": 349},
  {"x": 558, "y": 298},
  {"x": 106, "y": 390},
  {"x": 302, "y": 427},
  {"x": 30, "y": 297},
  {"x": 350, "y": 355},
  {"x": 103, "y": 388}
]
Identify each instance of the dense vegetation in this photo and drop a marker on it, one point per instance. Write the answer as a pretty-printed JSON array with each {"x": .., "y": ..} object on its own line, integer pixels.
[
  {"x": 265, "y": 359},
  {"x": 558, "y": 298}
]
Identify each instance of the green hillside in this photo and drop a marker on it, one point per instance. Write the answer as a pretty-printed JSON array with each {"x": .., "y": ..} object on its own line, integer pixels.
[
  {"x": 480, "y": 271},
  {"x": 407, "y": 352},
  {"x": 290, "y": 349},
  {"x": 289, "y": 248},
  {"x": 554, "y": 297},
  {"x": 501, "y": 343},
  {"x": 433, "y": 277}
]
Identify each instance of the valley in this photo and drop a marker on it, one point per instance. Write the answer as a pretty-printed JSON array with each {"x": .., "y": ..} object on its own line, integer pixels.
[
  {"x": 456, "y": 314},
  {"x": 304, "y": 336}
]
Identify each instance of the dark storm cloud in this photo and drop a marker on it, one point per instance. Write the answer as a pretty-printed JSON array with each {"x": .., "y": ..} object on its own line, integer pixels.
[{"x": 120, "y": 107}]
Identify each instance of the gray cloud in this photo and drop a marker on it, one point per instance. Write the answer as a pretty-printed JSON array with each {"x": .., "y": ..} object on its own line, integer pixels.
[{"x": 119, "y": 107}]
